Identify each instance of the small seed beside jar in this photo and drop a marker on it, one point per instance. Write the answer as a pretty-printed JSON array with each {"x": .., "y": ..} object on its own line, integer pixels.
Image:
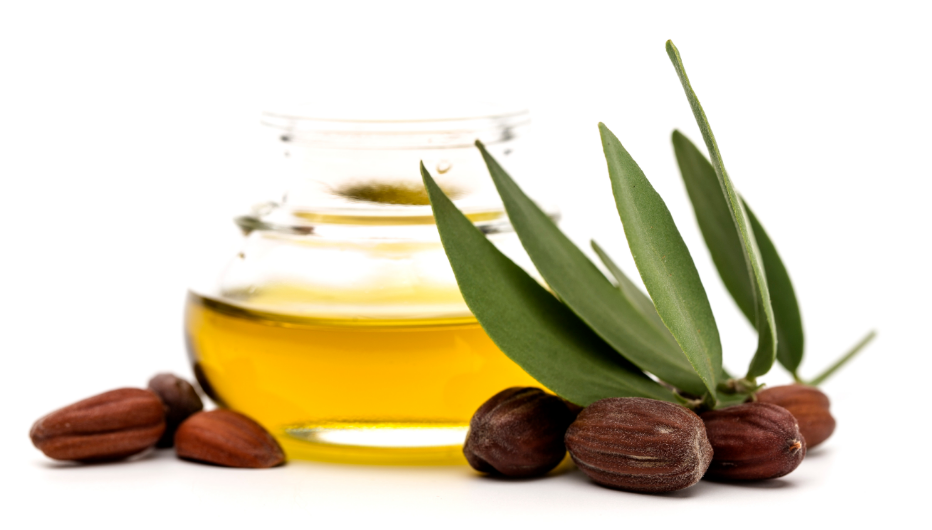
[
  {"x": 108, "y": 426},
  {"x": 180, "y": 400},
  {"x": 227, "y": 438},
  {"x": 519, "y": 433}
]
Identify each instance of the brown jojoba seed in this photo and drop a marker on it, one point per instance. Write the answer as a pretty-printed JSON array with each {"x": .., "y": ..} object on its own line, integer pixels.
[
  {"x": 808, "y": 405},
  {"x": 226, "y": 438},
  {"x": 639, "y": 444},
  {"x": 753, "y": 441},
  {"x": 518, "y": 433},
  {"x": 108, "y": 426},
  {"x": 180, "y": 400}
]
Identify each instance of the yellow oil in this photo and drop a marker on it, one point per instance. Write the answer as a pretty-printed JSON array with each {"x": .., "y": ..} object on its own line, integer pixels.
[{"x": 349, "y": 390}]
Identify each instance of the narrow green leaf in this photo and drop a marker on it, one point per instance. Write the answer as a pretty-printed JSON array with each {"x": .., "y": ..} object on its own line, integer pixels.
[
  {"x": 766, "y": 327},
  {"x": 721, "y": 235},
  {"x": 633, "y": 294},
  {"x": 664, "y": 262},
  {"x": 528, "y": 323},
  {"x": 845, "y": 358},
  {"x": 644, "y": 303},
  {"x": 716, "y": 222},
  {"x": 790, "y": 337},
  {"x": 587, "y": 291}
]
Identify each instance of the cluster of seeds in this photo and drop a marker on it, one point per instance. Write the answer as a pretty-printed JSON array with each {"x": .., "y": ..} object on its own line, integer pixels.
[
  {"x": 646, "y": 445},
  {"x": 128, "y": 421}
]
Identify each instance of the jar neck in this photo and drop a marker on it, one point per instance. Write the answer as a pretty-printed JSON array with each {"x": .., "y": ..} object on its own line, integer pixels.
[{"x": 360, "y": 178}]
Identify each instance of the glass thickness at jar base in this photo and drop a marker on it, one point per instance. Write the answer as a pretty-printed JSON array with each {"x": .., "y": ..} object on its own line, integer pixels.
[{"x": 362, "y": 391}]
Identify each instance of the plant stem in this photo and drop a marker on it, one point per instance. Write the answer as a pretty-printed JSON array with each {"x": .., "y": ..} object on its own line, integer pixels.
[{"x": 847, "y": 357}]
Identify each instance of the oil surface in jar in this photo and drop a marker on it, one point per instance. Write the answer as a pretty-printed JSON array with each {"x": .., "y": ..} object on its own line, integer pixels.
[{"x": 368, "y": 391}]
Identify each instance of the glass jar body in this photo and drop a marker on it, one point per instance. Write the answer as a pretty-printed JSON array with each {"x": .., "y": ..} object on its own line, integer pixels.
[{"x": 339, "y": 326}]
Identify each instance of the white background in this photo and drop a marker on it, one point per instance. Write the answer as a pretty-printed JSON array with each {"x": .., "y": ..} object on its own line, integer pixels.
[{"x": 128, "y": 137}]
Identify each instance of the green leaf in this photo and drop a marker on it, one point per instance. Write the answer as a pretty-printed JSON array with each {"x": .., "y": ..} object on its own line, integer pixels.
[
  {"x": 587, "y": 292},
  {"x": 646, "y": 306},
  {"x": 716, "y": 222},
  {"x": 632, "y": 293},
  {"x": 529, "y": 324},
  {"x": 845, "y": 358},
  {"x": 724, "y": 241},
  {"x": 790, "y": 337},
  {"x": 766, "y": 327},
  {"x": 644, "y": 303},
  {"x": 664, "y": 262}
]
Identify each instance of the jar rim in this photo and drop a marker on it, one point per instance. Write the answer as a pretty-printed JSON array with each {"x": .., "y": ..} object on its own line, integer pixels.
[
  {"x": 396, "y": 112},
  {"x": 427, "y": 129}
]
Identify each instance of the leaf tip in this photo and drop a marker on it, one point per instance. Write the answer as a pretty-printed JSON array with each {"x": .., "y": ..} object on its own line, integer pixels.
[
  {"x": 604, "y": 131},
  {"x": 425, "y": 176}
]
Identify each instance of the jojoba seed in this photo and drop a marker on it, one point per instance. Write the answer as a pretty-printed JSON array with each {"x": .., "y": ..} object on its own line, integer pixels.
[
  {"x": 108, "y": 426},
  {"x": 639, "y": 444},
  {"x": 227, "y": 438},
  {"x": 753, "y": 441},
  {"x": 180, "y": 400},
  {"x": 518, "y": 433},
  {"x": 808, "y": 405}
]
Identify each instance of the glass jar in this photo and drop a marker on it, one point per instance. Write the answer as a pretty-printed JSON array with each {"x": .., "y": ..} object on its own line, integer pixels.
[{"x": 339, "y": 325}]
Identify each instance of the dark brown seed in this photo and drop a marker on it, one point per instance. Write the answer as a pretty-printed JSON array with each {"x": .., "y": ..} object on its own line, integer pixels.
[
  {"x": 108, "y": 426},
  {"x": 180, "y": 399},
  {"x": 227, "y": 438},
  {"x": 518, "y": 433},
  {"x": 754, "y": 441},
  {"x": 808, "y": 405},
  {"x": 639, "y": 444}
]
